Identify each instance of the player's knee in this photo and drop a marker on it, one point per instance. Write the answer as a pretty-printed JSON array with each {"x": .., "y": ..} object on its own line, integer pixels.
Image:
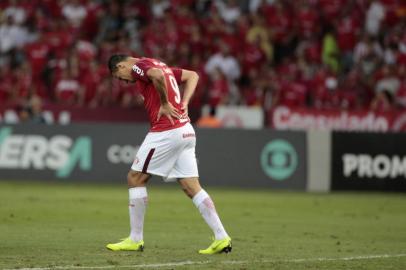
[{"x": 136, "y": 179}]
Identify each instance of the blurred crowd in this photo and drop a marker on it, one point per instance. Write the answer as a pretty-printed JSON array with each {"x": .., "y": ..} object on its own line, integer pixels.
[{"x": 344, "y": 54}]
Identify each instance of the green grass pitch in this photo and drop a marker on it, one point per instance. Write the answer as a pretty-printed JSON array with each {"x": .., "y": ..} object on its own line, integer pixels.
[{"x": 66, "y": 226}]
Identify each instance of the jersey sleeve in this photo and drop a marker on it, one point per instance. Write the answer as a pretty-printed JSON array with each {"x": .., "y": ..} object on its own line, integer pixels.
[
  {"x": 177, "y": 72},
  {"x": 139, "y": 70}
]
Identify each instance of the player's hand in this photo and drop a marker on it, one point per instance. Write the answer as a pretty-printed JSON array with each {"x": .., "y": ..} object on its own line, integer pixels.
[{"x": 169, "y": 111}]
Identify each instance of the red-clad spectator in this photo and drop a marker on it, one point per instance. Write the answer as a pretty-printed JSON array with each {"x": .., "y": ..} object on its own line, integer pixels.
[
  {"x": 40, "y": 19},
  {"x": 58, "y": 37},
  {"x": 355, "y": 93},
  {"x": 6, "y": 84},
  {"x": 184, "y": 53},
  {"x": 253, "y": 56},
  {"x": 86, "y": 52},
  {"x": 400, "y": 97},
  {"x": 91, "y": 79},
  {"x": 151, "y": 38},
  {"x": 184, "y": 21},
  {"x": 140, "y": 9},
  {"x": 37, "y": 54},
  {"x": 313, "y": 51},
  {"x": 289, "y": 68},
  {"x": 233, "y": 41},
  {"x": 242, "y": 26},
  {"x": 196, "y": 43},
  {"x": 348, "y": 29},
  {"x": 24, "y": 87},
  {"x": 280, "y": 21},
  {"x": 169, "y": 38},
  {"x": 103, "y": 94},
  {"x": 197, "y": 65},
  {"x": 293, "y": 93},
  {"x": 308, "y": 20},
  {"x": 184, "y": 3},
  {"x": 89, "y": 27},
  {"x": 213, "y": 25},
  {"x": 391, "y": 12},
  {"x": 382, "y": 102},
  {"x": 51, "y": 7},
  {"x": 22, "y": 82},
  {"x": 218, "y": 89},
  {"x": 68, "y": 89},
  {"x": 3, "y": 5},
  {"x": 331, "y": 9},
  {"x": 124, "y": 94},
  {"x": 318, "y": 87},
  {"x": 106, "y": 49},
  {"x": 122, "y": 46},
  {"x": 253, "y": 92}
]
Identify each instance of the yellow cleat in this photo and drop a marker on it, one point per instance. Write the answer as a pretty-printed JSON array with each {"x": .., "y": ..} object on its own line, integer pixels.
[
  {"x": 218, "y": 246},
  {"x": 127, "y": 245}
]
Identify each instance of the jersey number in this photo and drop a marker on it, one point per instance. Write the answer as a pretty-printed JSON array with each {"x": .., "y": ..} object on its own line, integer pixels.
[{"x": 175, "y": 88}]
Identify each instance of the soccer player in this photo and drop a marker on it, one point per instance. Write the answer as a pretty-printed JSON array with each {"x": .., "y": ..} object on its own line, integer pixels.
[{"x": 168, "y": 149}]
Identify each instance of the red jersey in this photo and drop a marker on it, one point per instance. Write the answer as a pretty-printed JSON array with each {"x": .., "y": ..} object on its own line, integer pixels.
[{"x": 152, "y": 101}]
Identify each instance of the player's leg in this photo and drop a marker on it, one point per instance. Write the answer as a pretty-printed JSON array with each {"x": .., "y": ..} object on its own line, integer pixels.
[
  {"x": 204, "y": 203},
  {"x": 186, "y": 171},
  {"x": 138, "y": 200},
  {"x": 137, "y": 178}
]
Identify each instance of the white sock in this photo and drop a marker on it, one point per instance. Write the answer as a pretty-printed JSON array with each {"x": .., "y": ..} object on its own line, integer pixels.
[
  {"x": 206, "y": 207},
  {"x": 137, "y": 206}
]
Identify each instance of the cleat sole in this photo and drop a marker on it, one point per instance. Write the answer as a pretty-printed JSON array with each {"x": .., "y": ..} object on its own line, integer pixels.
[{"x": 227, "y": 249}]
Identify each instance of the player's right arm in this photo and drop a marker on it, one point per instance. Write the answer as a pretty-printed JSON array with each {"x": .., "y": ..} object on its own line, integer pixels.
[{"x": 157, "y": 78}]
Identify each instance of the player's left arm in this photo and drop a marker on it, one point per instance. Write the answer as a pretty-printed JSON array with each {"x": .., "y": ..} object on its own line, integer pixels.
[{"x": 190, "y": 78}]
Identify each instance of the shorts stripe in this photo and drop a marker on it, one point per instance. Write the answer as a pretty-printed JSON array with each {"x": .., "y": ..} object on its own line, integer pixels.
[{"x": 147, "y": 160}]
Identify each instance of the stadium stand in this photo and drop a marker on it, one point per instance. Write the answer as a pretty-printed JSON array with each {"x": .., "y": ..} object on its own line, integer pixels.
[{"x": 341, "y": 54}]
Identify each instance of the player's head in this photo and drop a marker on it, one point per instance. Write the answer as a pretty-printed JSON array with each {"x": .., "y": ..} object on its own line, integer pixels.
[{"x": 120, "y": 66}]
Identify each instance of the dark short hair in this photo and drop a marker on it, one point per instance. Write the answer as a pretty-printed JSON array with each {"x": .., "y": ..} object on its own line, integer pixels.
[{"x": 114, "y": 60}]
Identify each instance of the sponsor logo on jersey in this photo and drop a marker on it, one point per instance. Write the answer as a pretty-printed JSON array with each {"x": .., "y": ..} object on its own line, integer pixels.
[
  {"x": 279, "y": 159},
  {"x": 138, "y": 70},
  {"x": 37, "y": 152}
]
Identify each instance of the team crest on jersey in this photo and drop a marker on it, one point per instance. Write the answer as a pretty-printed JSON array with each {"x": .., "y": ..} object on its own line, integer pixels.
[{"x": 138, "y": 70}]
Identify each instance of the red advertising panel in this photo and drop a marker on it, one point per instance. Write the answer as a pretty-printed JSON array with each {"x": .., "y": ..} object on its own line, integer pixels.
[{"x": 286, "y": 118}]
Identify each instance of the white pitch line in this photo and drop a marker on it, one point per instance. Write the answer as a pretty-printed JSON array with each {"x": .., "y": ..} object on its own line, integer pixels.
[
  {"x": 365, "y": 257},
  {"x": 183, "y": 263}
]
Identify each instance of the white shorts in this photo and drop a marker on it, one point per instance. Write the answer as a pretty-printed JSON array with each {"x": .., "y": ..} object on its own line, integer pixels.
[{"x": 170, "y": 154}]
